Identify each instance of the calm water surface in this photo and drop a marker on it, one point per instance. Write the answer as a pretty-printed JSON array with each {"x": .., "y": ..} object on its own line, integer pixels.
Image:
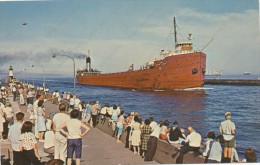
[{"x": 204, "y": 110}]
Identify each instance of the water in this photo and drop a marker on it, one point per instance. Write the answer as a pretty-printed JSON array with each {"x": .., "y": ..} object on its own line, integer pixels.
[{"x": 204, "y": 110}]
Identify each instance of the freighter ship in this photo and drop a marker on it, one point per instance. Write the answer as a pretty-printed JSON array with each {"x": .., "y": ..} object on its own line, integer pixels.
[{"x": 179, "y": 68}]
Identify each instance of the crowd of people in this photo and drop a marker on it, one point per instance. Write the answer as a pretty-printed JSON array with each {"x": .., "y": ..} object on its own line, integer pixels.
[{"x": 62, "y": 133}]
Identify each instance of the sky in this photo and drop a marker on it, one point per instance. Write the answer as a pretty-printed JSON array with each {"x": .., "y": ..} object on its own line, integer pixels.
[{"x": 119, "y": 33}]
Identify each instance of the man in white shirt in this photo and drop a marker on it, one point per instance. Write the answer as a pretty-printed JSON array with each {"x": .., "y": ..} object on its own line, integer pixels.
[
  {"x": 14, "y": 137},
  {"x": 227, "y": 129},
  {"x": 192, "y": 143},
  {"x": 153, "y": 124},
  {"x": 60, "y": 146}
]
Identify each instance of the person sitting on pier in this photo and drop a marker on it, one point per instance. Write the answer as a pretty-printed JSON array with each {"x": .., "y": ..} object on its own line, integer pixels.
[
  {"x": 227, "y": 128},
  {"x": 175, "y": 135},
  {"x": 164, "y": 130},
  {"x": 234, "y": 157},
  {"x": 250, "y": 155},
  {"x": 192, "y": 143},
  {"x": 215, "y": 152},
  {"x": 210, "y": 138}
]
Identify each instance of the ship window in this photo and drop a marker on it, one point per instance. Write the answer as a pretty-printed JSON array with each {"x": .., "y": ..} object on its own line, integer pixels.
[{"x": 194, "y": 71}]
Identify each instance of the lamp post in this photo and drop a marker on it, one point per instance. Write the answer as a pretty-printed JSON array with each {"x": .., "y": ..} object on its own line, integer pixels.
[
  {"x": 43, "y": 74},
  {"x": 74, "y": 90},
  {"x": 26, "y": 75}
]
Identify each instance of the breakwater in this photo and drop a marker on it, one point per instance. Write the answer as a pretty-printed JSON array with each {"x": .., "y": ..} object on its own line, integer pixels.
[{"x": 250, "y": 82}]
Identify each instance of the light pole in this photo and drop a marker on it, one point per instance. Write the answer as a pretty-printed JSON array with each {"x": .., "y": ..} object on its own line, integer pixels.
[
  {"x": 43, "y": 74},
  {"x": 26, "y": 75},
  {"x": 74, "y": 90}
]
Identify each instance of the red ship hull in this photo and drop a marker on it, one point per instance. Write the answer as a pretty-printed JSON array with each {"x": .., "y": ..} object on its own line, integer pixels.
[{"x": 173, "y": 72}]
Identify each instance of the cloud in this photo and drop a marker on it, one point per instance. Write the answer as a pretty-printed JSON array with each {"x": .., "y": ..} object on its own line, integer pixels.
[{"x": 235, "y": 46}]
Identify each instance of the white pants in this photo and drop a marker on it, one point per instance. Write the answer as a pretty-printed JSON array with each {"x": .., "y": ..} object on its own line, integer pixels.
[{"x": 60, "y": 147}]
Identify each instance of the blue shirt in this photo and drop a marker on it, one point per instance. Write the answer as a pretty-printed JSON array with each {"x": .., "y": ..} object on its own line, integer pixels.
[{"x": 14, "y": 135}]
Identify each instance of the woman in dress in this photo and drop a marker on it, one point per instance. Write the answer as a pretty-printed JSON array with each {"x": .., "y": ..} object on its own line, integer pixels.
[
  {"x": 136, "y": 135},
  {"x": 28, "y": 145},
  {"x": 41, "y": 126},
  {"x": 146, "y": 131}
]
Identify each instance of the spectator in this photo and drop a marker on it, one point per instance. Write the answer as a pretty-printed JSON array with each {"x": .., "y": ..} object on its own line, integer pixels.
[
  {"x": 192, "y": 143},
  {"x": 215, "y": 152},
  {"x": 136, "y": 135},
  {"x": 145, "y": 134},
  {"x": 21, "y": 90},
  {"x": 74, "y": 136},
  {"x": 175, "y": 134},
  {"x": 103, "y": 113},
  {"x": 60, "y": 145},
  {"x": 152, "y": 142},
  {"x": 35, "y": 112},
  {"x": 153, "y": 124},
  {"x": 164, "y": 130},
  {"x": 120, "y": 125},
  {"x": 2, "y": 120},
  {"x": 72, "y": 102},
  {"x": 41, "y": 119},
  {"x": 83, "y": 110},
  {"x": 227, "y": 129},
  {"x": 14, "y": 137},
  {"x": 234, "y": 157},
  {"x": 28, "y": 145},
  {"x": 210, "y": 138},
  {"x": 14, "y": 92},
  {"x": 55, "y": 162},
  {"x": 94, "y": 112},
  {"x": 250, "y": 155},
  {"x": 48, "y": 146},
  {"x": 77, "y": 102}
]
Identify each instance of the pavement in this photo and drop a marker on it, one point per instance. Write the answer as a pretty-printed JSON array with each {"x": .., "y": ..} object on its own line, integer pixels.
[{"x": 98, "y": 148}]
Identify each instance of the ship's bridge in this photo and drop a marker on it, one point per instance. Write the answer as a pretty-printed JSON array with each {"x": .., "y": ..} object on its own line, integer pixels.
[{"x": 180, "y": 48}]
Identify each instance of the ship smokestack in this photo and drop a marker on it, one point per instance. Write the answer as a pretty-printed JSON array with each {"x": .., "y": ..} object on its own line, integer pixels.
[
  {"x": 11, "y": 73},
  {"x": 88, "y": 62}
]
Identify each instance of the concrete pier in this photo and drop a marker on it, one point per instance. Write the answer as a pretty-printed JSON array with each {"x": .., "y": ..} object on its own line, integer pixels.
[
  {"x": 98, "y": 147},
  {"x": 246, "y": 82}
]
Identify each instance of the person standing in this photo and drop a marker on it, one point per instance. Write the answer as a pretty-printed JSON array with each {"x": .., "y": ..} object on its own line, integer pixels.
[
  {"x": 41, "y": 120},
  {"x": 28, "y": 145},
  {"x": 94, "y": 112},
  {"x": 136, "y": 135},
  {"x": 14, "y": 92},
  {"x": 14, "y": 138},
  {"x": 60, "y": 146},
  {"x": 35, "y": 112},
  {"x": 152, "y": 142},
  {"x": 145, "y": 134},
  {"x": 227, "y": 129},
  {"x": 74, "y": 136}
]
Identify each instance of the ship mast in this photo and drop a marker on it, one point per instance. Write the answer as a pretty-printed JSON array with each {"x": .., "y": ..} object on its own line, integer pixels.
[{"x": 175, "y": 32}]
